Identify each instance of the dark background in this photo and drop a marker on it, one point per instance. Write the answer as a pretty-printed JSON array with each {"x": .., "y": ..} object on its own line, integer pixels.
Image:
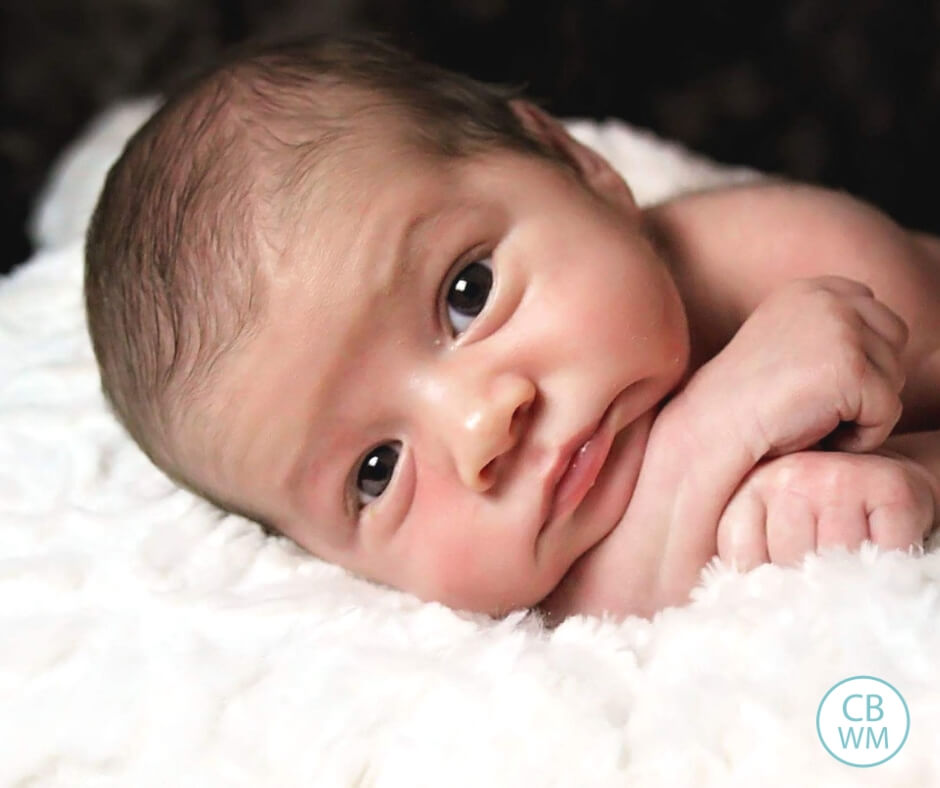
[{"x": 840, "y": 92}]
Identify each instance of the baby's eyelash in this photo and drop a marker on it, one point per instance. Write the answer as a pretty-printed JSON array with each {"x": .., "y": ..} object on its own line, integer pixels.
[
  {"x": 465, "y": 293},
  {"x": 373, "y": 473}
]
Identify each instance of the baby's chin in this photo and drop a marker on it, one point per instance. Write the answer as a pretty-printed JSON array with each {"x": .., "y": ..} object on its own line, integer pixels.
[
  {"x": 518, "y": 589},
  {"x": 500, "y": 604},
  {"x": 581, "y": 582},
  {"x": 614, "y": 489}
]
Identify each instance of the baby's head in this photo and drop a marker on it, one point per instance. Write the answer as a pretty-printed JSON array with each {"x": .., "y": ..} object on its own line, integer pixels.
[{"x": 389, "y": 312}]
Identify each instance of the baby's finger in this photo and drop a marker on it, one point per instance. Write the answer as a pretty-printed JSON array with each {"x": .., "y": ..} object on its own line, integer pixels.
[
  {"x": 884, "y": 321},
  {"x": 876, "y": 410},
  {"x": 859, "y": 438},
  {"x": 842, "y": 526},
  {"x": 791, "y": 528},
  {"x": 898, "y": 526},
  {"x": 843, "y": 285},
  {"x": 882, "y": 355},
  {"x": 741, "y": 538},
  {"x": 907, "y": 512}
]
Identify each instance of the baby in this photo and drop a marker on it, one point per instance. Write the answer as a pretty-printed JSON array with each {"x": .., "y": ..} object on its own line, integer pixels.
[{"x": 406, "y": 320}]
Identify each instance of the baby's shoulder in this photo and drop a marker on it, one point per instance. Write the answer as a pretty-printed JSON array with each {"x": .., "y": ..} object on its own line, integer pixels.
[
  {"x": 731, "y": 248},
  {"x": 752, "y": 238},
  {"x": 771, "y": 215}
]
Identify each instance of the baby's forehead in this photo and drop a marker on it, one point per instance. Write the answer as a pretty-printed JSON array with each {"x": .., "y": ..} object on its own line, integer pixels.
[
  {"x": 364, "y": 193},
  {"x": 363, "y": 273},
  {"x": 312, "y": 191}
]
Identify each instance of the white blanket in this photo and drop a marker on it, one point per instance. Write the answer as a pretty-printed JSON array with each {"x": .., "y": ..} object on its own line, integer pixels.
[{"x": 148, "y": 640}]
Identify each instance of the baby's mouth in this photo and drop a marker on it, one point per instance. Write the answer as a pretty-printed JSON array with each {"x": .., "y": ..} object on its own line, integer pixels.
[
  {"x": 581, "y": 461},
  {"x": 580, "y": 473},
  {"x": 578, "y": 466}
]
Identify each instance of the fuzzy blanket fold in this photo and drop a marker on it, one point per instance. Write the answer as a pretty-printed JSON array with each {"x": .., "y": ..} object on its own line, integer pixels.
[{"x": 148, "y": 640}]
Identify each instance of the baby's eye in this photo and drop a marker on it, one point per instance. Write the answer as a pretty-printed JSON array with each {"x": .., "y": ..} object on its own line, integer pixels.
[
  {"x": 468, "y": 293},
  {"x": 375, "y": 472}
]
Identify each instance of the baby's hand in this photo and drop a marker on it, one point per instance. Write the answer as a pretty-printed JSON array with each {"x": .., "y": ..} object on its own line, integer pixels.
[
  {"x": 815, "y": 353},
  {"x": 792, "y": 505}
]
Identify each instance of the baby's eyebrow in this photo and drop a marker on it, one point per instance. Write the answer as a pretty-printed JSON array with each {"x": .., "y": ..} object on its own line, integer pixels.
[
  {"x": 401, "y": 267},
  {"x": 306, "y": 469}
]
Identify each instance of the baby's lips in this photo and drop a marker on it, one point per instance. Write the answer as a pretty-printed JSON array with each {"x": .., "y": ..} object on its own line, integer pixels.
[{"x": 581, "y": 473}]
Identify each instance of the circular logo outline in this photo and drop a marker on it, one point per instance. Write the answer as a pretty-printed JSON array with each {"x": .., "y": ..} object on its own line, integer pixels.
[{"x": 907, "y": 716}]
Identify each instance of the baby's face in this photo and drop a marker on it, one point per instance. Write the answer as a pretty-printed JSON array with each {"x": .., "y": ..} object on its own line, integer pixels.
[{"x": 454, "y": 383}]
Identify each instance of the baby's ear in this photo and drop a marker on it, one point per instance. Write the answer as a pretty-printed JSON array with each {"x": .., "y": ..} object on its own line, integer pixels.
[{"x": 593, "y": 168}]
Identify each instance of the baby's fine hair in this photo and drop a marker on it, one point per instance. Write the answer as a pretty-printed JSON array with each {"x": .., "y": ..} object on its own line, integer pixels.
[{"x": 172, "y": 276}]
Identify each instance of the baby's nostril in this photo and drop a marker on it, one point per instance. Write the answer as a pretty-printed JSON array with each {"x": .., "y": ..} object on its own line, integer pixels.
[
  {"x": 521, "y": 411},
  {"x": 487, "y": 474}
]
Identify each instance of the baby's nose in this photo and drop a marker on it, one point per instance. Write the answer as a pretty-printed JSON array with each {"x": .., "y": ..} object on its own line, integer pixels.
[{"x": 489, "y": 425}]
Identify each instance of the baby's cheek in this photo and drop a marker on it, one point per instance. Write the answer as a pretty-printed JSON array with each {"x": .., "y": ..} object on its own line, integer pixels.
[
  {"x": 467, "y": 581},
  {"x": 461, "y": 554},
  {"x": 447, "y": 553}
]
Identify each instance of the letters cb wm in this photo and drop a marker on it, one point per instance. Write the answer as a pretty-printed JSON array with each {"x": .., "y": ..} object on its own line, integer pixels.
[{"x": 863, "y": 721}]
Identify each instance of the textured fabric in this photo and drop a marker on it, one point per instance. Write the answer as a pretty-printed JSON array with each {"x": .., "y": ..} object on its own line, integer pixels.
[{"x": 148, "y": 640}]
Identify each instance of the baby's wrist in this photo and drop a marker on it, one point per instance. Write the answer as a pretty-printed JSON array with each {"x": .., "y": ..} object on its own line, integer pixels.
[
  {"x": 696, "y": 452},
  {"x": 705, "y": 426}
]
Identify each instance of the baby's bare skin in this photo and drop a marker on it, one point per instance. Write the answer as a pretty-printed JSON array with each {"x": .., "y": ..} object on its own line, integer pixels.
[
  {"x": 787, "y": 378},
  {"x": 796, "y": 301},
  {"x": 793, "y": 505},
  {"x": 799, "y": 365}
]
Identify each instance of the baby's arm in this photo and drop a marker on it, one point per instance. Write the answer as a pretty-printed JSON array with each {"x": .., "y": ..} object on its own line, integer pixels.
[
  {"x": 814, "y": 354},
  {"x": 792, "y": 505},
  {"x": 752, "y": 231},
  {"x": 735, "y": 247}
]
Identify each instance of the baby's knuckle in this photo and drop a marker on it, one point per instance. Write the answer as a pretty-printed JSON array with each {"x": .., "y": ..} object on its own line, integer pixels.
[
  {"x": 821, "y": 300},
  {"x": 801, "y": 471},
  {"x": 852, "y": 363},
  {"x": 834, "y": 478},
  {"x": 806, "y": 297},
  {"x": 804, "y": 286},
  {"x": 897, "y": 486},
  {"x": 844, "y": 317},
  {"x": 796, "y": 467}
]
